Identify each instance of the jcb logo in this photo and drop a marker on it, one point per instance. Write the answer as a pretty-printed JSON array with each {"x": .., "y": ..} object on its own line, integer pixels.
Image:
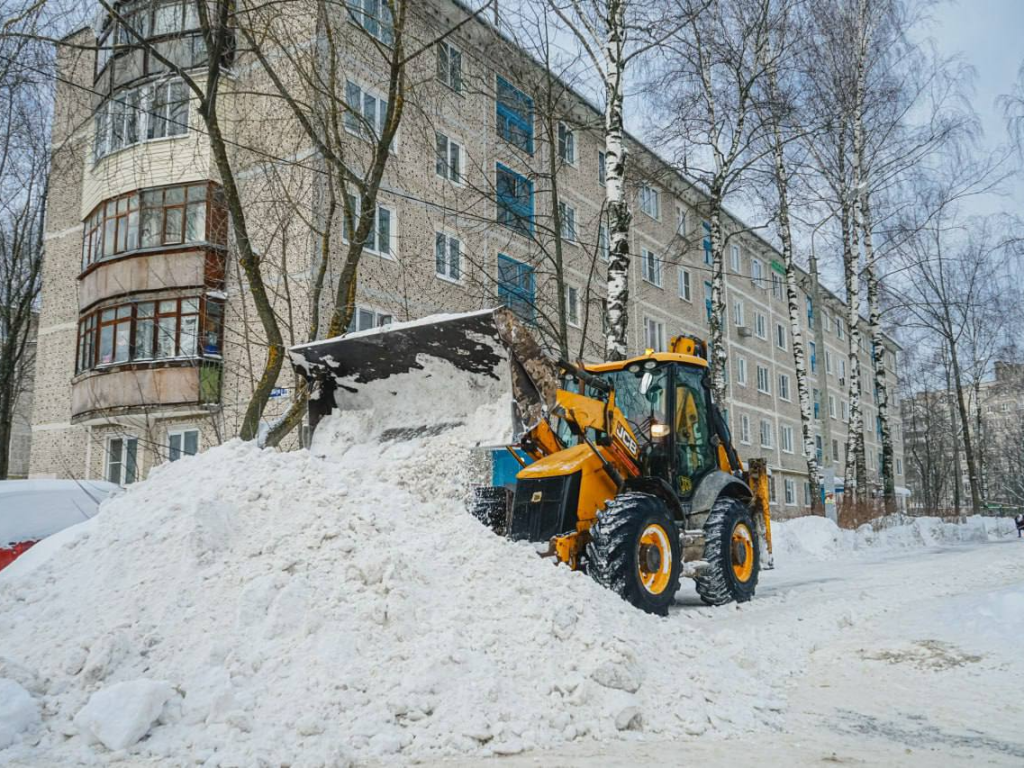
[
  {"x": 626, "y": 438},
  {"x": 537, "y": 496}
]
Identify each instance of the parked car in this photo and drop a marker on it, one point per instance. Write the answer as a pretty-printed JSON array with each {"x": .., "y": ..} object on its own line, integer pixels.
[{"x": 31, "y": 510}]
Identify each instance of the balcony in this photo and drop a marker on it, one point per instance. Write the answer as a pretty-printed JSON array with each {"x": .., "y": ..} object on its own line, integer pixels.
[{"x": 159, "y": 387}]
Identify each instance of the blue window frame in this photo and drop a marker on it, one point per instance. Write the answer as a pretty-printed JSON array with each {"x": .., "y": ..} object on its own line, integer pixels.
[
  {"x": 515, "y": 199},
  {"x": 814, "y": 356},
  {"x": 817, "y": 404},
  {"x": 516, "y": 286},
  {"x": 810, "y": 313},
  {"x": 707, "y": 243},
  {"x": 707, "y": 300},
  {"x": 515, "y": 116}
]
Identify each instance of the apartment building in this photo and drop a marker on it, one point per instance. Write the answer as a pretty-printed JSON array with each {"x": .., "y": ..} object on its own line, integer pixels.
[{"x": 148, "y": 340}]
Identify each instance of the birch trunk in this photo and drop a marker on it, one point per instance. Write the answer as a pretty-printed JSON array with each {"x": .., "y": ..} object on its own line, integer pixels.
[
  {"x": 719, "y": 355},
  {"x": 855, "y": 470},
  {"x": 615, "y": 192},
  {"x": 556, "y": 219},
  {"x": 792, "y": 297}
]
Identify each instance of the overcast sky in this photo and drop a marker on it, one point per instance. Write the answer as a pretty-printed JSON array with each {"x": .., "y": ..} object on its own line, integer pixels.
[{"x": 990, "y": 36}]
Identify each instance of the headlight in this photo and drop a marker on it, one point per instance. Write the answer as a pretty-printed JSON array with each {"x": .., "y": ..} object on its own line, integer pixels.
[{"x": 658, "y": 431}]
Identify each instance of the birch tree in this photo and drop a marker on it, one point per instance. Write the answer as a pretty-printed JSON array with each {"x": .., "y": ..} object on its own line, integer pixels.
[{"x": 706, "y": 87}]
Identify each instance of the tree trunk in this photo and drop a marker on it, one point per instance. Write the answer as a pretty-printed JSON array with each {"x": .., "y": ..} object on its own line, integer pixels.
[
  {"x": 965, "y": 420},
  {"x": 957, "y": 472},
  {"x": 855, "y": 470},
  {"x": 616, "y": 339},
  {"x": 719, "y": 355},
  {"x": 556, "y": 219}
]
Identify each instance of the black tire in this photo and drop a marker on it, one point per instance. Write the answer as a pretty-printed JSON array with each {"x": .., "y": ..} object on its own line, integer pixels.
[
  {"x": 616, "y": 556},
  {"x": 726, "y": 576},
  {"x": 490, "y": 505}
]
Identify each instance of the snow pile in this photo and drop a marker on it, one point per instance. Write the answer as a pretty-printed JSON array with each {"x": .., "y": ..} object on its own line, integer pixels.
[
  {"x": 247, "y": 607},
  {"x": 817, "y": 538}
]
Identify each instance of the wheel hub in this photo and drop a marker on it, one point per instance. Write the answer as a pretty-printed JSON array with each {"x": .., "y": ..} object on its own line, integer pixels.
[
  {"x": 739, "y": 553},
  {"x": 650, "y": 557}
]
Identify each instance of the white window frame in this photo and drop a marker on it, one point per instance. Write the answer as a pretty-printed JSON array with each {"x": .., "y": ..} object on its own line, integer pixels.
[
  {"x": 786, "y": 438},
  {"x": 899, "y": 466},
  {"x": 845, "y": 409},
  {"x": 842, "y": 368},
  {"x": 760, "y": 325},
  {"x": 757, "y": 273},
  {"x": 685, "y": 284},
  {"x": 826, "y": 322},
  {"x": 784, "y": 393},
  {"x": 781, "y": 337},
  {"x": 143, "y": 96},
  {"x": 737, "y": 313},
  {"x": 392, "y": 253},
  {"x": 744, "y": 429},
  {"x": 766, "y": 430},
  {"x": 832, "y": 406},
  {"x": 741, "y": 371},
  {"x": 828, "y": 361},
  {"x": 122, "y": 460},
  {"x": 573, "y": 306},
  {"x": 790, "y": 486},
  {"x": 764, "y": 380},
  {"x": 602, "y": 168},
  {"x": 680, "y": 221},
  {"x": 604, "y": 243},
  {"x": 379, "y": 319},
  {"x": 447, "y": 78},
  {"x": 455, "y": 176},
  {"x": 567, "y": 218},
  {"x": 654, "y": 331},
  {"x": 354, "y": 125},
  {"x": 566, "y": 144},
  {"x": 650, "y": 198},
  {"x": 734, "y": 258},
  {"x": 180, "y": 433},
  {"x": 650, "y": 266},
  {"x": 447, "y": 275},
  {"x": 777, "y": 289},
  {"x": 840, "y": 328}
]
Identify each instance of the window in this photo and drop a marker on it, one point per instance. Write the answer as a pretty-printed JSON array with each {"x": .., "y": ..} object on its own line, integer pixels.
[
  {"x": 572, "y": 305},
  {"x": 449, "y": 66},
  {"x": 514, "y": 116},
  {"x": 709, "y": 257},
  {"x": 734, "y": 258},
  {"x": 741, "y": 371},
  {"x": 828, "y": 362},
  {"x": 680, "y": 221},
  {"x": 810, "y": 312},
  {"x": 654, "y": 335},
  {"x": 790, "y": 486},
  {"x": 566, "y": 144},
  {"x": 379, "y": 238},
  {"x": 567, "y": 217},
  {"x": 757, "y": 273},
  {"x": 516, "y": 286},
  {"x": 122, "y": 455},
  {"x": 650, "y": 267},
  {"x": 685, "y": 284},
  {"x": 151, "y": 111},
  {"x": 365, "y": 113},
  {"x": 784, "y": 386},
  {"x": 814, "y": 356},
  {"x": 835, "y": 451},
  {"x": 780, "y": 335},
  {"x": 603, "y": 246},
  {"x": 447, "y": 257},
  {"x": 182, "y": 443},
  {"x": 786, "y": 439},
  {"x": 365, "y": 319},
  {"x": 766, "y": 433},
  {"x": 832, "y": 406},
  {"x": 763, "y": 382},
  {"x": 708, "y": 307},
  {"x": 375, "y": 17},
  {"x": 899, "y": 466},
  {"x": 650, "y": 201},
  {"x": 737, "y": 313},
  {"x": 842, "y": 370},
  {"x": 777, "y": 285},
  {"x": 602, "y": 169},
  {"x": 745, "y": 429},
  {"x": 771, "y": 489},
  {"x": 826, "y": 322},
  {"x": 816, "y": 397},
  {"x": 760, "y": 326},
  {"x": 515, "y": 200},
  {"x": 150, "y": 330},
  {"x": 807, "y": 493},
  {"x": 448, "y": 163},
  {"x": 840, "y": 328}
]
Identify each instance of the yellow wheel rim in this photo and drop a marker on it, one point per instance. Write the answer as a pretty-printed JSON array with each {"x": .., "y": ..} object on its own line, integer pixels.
[
  {"x": 654, "y": 559},
  {"x": 742, "y": 552}
]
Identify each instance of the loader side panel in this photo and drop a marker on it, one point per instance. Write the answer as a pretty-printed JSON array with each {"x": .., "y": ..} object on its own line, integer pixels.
[{"x": 544, "y": 507}]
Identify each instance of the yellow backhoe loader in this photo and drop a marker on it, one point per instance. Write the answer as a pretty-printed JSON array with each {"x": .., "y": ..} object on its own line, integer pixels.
[{"x": 627, "y": 468}]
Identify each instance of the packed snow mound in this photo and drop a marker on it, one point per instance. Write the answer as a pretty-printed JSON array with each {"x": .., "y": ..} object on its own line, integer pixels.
[
  {"x": 818, "y": 538},
  {"x": 248, "y": 607}
]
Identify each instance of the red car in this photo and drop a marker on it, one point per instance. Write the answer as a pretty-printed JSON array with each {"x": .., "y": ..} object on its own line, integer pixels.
[{"x": 31, "y": 510}]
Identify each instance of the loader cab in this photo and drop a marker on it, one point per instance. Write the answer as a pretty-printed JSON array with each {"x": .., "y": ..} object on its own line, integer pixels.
[{"x": 668, "y": 405}]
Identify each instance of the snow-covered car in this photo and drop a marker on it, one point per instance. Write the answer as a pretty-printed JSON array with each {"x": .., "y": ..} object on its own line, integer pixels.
[{"x": 31, "y": 510}]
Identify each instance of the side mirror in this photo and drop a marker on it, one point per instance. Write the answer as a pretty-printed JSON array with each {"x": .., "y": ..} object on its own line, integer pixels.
[{"x": 645, "y": 383}]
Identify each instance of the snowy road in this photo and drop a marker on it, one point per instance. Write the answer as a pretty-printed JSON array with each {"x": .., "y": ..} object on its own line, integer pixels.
[{"x": 910, "y": 659}]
